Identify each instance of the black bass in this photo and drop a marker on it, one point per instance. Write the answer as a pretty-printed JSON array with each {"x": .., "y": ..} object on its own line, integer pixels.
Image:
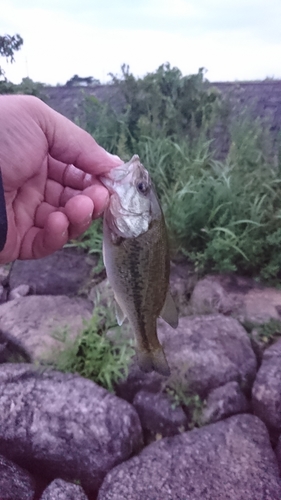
[{"x": 136, "y": 257}]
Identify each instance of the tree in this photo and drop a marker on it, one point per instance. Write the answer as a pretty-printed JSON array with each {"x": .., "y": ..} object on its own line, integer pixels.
[{"x": 8, "y": 46}]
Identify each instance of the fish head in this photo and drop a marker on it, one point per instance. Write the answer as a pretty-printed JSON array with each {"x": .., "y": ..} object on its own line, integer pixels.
[{"x": 133, "y": 202}]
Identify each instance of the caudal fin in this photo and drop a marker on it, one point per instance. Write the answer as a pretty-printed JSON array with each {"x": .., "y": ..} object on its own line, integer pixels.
[{"x": 153, "y": 360}]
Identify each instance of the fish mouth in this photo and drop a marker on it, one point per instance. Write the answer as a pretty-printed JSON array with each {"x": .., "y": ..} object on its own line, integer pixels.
[
  {"x": 116, "y": 175},
  {"x": 108, "y": 183}
]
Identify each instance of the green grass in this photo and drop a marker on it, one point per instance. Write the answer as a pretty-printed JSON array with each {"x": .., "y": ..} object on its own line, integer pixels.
[{"x": 94, "y": 355}]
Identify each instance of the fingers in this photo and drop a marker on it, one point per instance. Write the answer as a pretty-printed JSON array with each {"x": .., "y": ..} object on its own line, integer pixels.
[
  {"x": 54, "y": 228},
  {"x": 57, "y": 197},
  {"x": 79, "y": 211},
  {"x": 68, "y": 175},
  {"x": 39, "y": 243},
  {"x": 70, "y": 144}
]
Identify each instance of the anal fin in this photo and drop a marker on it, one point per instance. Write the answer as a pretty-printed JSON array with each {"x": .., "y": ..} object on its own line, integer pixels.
[
  {"x": 169, "y": 311},
  {"x": 120, "y": 316}
]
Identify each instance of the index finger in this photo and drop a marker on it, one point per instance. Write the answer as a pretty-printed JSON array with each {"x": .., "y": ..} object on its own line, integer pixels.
[{"x": 69, "y": 143}]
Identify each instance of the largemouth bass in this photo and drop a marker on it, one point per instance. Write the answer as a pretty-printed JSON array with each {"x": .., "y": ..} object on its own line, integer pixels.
[{"x": 136, "y": 257}]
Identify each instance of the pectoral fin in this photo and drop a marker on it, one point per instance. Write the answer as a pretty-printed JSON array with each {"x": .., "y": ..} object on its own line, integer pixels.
[
  {"x": 169, "y": 312},
  {"x": 120, "y": 316}
]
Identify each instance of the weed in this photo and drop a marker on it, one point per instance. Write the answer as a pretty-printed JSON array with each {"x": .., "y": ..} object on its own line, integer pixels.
[
  {"x": 179, "y": 394},
  {"x": 267, "y": 332},
  {"x": 94, "y": 355}
]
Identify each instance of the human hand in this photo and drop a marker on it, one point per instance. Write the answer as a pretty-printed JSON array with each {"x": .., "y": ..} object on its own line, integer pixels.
[{"x": 49, "y": 171}]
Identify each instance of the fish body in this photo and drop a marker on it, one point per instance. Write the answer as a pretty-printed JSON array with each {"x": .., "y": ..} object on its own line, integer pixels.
[{"x": 136, "y": 257}]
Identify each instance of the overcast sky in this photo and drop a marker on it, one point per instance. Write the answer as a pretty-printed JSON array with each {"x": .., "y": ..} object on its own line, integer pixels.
[{"x": 232, "y": 39}]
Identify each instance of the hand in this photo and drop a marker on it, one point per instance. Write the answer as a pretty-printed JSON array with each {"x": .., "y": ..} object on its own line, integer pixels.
[{"x": 49, "y": 170}]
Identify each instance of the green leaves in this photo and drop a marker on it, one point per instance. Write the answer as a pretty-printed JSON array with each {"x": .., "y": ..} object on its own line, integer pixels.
[{"x": 94, "y": 355}]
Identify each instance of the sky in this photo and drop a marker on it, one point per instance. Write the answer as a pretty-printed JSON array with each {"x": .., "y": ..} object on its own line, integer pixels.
[{"x": 231, "y": 39}]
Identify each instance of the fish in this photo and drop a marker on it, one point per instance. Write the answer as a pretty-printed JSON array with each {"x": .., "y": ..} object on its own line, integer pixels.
[{"x": 137, "y": 261}]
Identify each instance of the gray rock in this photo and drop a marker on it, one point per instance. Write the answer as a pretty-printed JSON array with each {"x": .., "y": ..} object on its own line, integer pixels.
[
  {"x": 15, "y": 482},
  {"x": 63, "y": 425},
  {"x": 207, "y": 352},
  {"x": 241, "y": 297},
  {"x": 278, "y": 453},
  {"x": 266, "y": 393},
  {"x": 136, "y": 381},
  {"x": 65, "y": 272},
  {"x": 158, "y": 415},
  {"x": 223, "y": 402},
  {"x": 183, "y": 279},
  {"x": 18, "y": 292},
  {"x": 11, "y": 349},
  {"x": 37, "y": 322},
  {"x": 61, "y": 490},
  {"x": 228, "y": 460}
]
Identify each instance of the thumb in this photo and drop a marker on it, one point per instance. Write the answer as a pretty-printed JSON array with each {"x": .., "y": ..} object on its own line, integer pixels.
[{"x": 70, "y": 144}]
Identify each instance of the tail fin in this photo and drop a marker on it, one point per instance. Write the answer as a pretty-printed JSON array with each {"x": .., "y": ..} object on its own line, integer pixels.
[{"x": 153, "y": 360}]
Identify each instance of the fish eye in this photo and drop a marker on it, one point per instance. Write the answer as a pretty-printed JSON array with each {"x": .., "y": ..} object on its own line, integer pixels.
[{"x": 142, "y": 187}]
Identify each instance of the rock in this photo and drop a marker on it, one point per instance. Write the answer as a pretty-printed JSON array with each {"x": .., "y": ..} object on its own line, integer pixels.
[
  {"x": 136, "y": 381},
  {"x": 62, "y": 425},
  {"x": 158, "y": 415},
  {"x": 266, "y": 393},
  {"x": 223, "y": 402},
  {"x": 231, "y": 459},
  {"x": 15, "y": 482},
  {"x": 183, "y": 279},
  {"x": 11, "y": 350},
  {"x": 240, "y": 297},
  {"x": 19, "y": 291},
  {"x": 4, "y": 273},
  {"x": 278, "y": 453},
  {"x": 102, "y": 294},
  {"x": 38, "y": 322},
  {"x": 207, "y": 352},
  {"x": 63, "y": 273},
  {"x": 61, "y": 490}
]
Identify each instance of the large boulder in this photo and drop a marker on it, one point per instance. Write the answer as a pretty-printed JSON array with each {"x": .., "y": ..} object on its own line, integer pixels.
[
  {"x": 223, "y": 402},
  {"x": 62, "y": 490},
  {"x": 203, "y": 354},
  {"x": 158, "y": 415},
  {"x": 15, "y": 482},
  {"x": 62, "y": 425},
  {"x": 240, "y": 297},
  {"x": 266, "y": 393},
  {"x": 231, "y": 459},
  {"x": 65, "y": 272},
  {"x": 39, "y": 323},
  {"x": 183, "y": 279},
  {"x": 208, "y": 352}
]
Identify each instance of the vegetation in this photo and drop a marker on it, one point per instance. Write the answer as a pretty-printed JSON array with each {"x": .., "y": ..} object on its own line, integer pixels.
[
  {"x": 179, "y": 394},
  {"x": 223, "y": 215},
  {"x": 267, "y": 332},
  {"x": 94, "y": 354},
  {"x": 8, "y": 46}
]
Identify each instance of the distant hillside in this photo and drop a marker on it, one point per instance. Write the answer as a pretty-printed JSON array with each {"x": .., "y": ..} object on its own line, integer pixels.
[
  {"x": 69, "y": 100},
  {"x": 264, "y": 97}
]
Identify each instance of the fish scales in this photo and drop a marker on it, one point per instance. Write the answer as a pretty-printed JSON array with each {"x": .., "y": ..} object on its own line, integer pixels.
[{"x": 140, "y": 281}]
